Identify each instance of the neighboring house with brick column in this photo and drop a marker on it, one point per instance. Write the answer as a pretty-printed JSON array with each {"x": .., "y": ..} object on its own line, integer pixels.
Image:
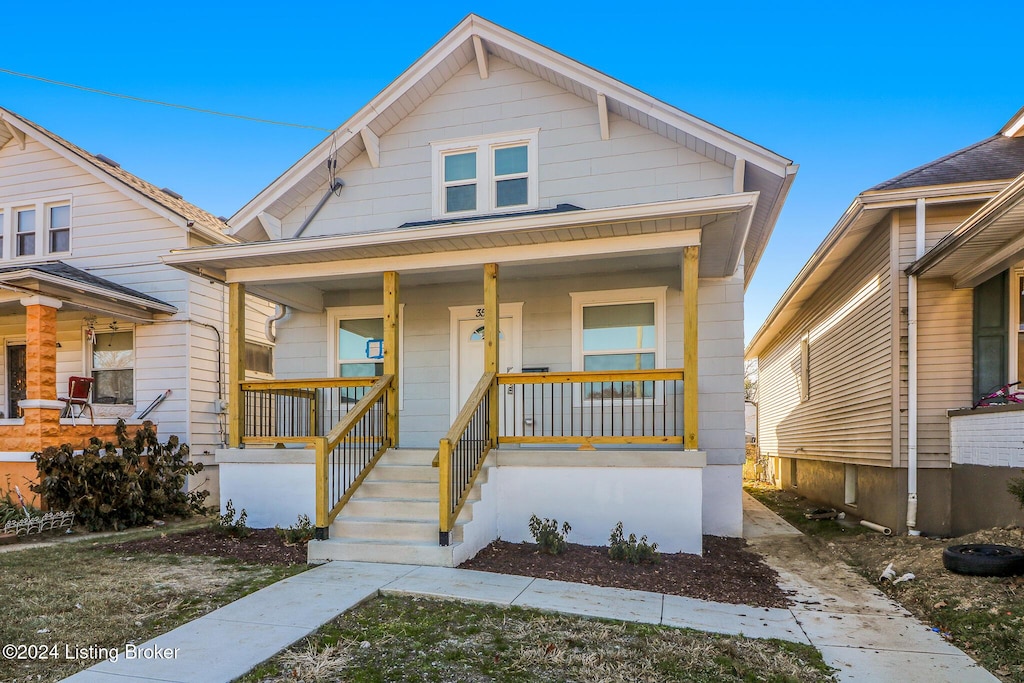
[{"x": 83, "y": 293}]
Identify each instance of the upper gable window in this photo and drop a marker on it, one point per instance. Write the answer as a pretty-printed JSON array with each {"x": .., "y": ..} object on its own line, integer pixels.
[
  {"x": 59, "y": 218},
  {"x": 485, "y": 174},
  {"x": 26, "y": 232}
]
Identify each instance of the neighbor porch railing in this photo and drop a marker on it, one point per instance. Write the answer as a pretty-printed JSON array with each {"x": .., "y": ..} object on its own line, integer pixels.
[
  {"x": 345, "y": 420},
  {"x": 614, "y": 407},
  {"x": 461, "y": 454}
]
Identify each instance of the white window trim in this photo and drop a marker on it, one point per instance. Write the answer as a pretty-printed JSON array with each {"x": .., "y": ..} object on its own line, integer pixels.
[
  {"x": 638, "y": 295},
  {"x": 339, "y": 313},
  {"x": 42, "y": 206},
  {"x": 88, "y": 345},
  {"x": 47, "y": 208},
  {"x": 486, "y": 194}
]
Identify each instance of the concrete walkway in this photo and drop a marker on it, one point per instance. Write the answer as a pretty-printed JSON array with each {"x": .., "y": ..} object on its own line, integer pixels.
[
  {"x": 856, "y": 627},
  {"x": 858, "y": 630}
]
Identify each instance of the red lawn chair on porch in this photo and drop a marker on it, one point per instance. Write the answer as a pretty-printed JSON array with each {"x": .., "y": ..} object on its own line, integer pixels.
[{"x": 79, "y": 391}]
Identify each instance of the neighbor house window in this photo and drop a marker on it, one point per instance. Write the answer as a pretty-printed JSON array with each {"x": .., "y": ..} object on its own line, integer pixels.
[
  {"x": 619, "y": 330},
  {"x": 26, "y": 237},
  {"x": 60, "y": 228},
  {"x": 259, "y": 358},
  {"x": 486, "y": 174},
  {"x": 113, "y": 367}
]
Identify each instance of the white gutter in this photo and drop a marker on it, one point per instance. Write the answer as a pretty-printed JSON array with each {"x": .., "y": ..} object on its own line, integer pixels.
[{"x": 912, "y": 375}]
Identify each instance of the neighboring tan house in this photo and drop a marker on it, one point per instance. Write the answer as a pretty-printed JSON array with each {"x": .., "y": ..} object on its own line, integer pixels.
[
  {"x": 910, "y": 309},
  {"x": 498, "y": 190},
  {"x": 83, "y": 293}
]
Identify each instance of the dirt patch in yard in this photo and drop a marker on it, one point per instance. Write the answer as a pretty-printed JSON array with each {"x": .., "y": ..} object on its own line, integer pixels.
[
  {"x": 984, "y": 616},
  {"x": 727, "y": 572},
  {"x": 263, "y": 546}
]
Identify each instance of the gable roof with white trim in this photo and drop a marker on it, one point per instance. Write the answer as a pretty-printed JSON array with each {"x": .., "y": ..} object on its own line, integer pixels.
[
  {"x": 765, "y": 172},
  {"x": 174, "y": 208}
]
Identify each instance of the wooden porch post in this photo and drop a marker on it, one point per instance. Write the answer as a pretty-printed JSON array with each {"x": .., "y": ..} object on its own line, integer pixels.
[
  {"x": 236, "y": 362},
  {"x": 391, "y": 351},
  {"x": 491, "y": 343},
  {"x": 691, "y": 261}
]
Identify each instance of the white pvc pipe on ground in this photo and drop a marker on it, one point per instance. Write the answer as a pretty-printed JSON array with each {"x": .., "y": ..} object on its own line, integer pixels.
[{"x": 884, "y": 530}]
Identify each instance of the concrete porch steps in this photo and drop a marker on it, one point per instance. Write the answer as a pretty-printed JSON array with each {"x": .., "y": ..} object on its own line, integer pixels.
[{"x": 393, "y": 516}]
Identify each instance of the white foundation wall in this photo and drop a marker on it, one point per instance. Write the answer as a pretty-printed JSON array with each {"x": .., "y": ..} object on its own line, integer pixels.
[
  {"x": 273, "y": 485},
  {"x": 992, "y": 439}
]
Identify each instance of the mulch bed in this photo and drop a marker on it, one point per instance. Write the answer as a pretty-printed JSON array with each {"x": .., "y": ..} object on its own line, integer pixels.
[
  {"x": 727, "y": 572},
  {"x": 264, "y": 546}
]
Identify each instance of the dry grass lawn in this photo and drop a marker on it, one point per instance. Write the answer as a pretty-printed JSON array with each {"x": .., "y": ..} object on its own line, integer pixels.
[
  {"x": 83, "y": 594},
  {"x": 410, "y": 639}
]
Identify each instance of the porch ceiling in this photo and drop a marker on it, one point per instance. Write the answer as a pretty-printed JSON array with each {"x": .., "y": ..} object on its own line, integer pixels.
[
  {"x": 718, "y": 224},
  {"x": 985, "y": 244}
]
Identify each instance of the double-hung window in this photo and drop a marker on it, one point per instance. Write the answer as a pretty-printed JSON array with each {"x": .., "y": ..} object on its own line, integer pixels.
[
  {"x": 26, "y": 237},
  {"x": 485, "y": 174},
  {"x": 356, "y": 342},
  {"x": 59, "y": 219},
  {"x": 113, "y": 367},
  {"x": 619, "y": 330}
]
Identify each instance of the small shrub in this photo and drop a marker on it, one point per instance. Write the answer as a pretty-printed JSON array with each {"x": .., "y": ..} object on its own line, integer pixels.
[
  {"x": 631, "y": 550},
  {"x": 1016, "y": 489},
  {"x": 300, "y": 532},
  {"x": 111, "y": 487},
  {"x": 547, "y": 536},
  {"x": 228, "y": 525}
]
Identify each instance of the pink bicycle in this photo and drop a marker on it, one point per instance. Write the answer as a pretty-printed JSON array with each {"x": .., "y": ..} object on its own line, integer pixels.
[{"x": 1001, "y": 396}]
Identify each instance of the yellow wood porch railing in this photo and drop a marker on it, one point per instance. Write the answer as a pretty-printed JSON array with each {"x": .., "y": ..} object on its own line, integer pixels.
[
  {"x": 609, "y": 407},
  {"x": 461, "y": 454},
  {"x": 358, "y": 411},
  {"x": 291, "y": 411}
]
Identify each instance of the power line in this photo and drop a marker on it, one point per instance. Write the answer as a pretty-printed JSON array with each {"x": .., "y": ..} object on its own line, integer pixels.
[{"x": 162, "y": 104}]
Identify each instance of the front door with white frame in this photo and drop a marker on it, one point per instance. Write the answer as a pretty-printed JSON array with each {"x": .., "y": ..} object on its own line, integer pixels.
[{"x": 467, "y": 356}]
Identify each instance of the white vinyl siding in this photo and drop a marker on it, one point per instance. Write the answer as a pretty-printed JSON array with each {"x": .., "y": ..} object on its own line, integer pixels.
[{"x": 575, "y": 165}]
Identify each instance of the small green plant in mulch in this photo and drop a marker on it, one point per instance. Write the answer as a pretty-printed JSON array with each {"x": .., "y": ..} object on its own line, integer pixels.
[
  {"x": 300, "y": 532},
  {"x": 547, "y": 534},
  {"x": 230, "y": 525},
  {"x": 116, "y": 486},
  {"x": 629, "y": 549}
]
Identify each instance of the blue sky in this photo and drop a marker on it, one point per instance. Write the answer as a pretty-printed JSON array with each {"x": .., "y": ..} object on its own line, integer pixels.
[{"x": 854, "y": 94}]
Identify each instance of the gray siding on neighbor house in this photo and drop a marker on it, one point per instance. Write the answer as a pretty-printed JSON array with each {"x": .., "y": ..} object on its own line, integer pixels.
[
  {"x": 576, "y": 166},
  {"x": 848, "y": 413},
  {"x": 303, "y": 345}
]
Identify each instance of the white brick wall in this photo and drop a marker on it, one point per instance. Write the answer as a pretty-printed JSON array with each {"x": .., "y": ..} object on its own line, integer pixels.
[{"x": 992, "y": 439}]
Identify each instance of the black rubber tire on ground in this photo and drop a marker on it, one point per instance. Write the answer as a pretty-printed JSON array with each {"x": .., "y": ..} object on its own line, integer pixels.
[{"x": 983, "y": 559}]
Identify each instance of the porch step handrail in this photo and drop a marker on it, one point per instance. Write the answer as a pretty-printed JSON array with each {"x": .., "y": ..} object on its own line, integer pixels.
[
  {"x": 461, "y": 454},
  {"x": 349, "y": 451}
]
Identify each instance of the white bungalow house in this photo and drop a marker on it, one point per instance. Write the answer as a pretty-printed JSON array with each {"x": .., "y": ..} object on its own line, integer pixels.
[
  {"x": 498, "y": 190},
  {"x": 83, "y": 293}
]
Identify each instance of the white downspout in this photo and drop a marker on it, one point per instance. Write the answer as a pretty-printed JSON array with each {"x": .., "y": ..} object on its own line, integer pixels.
[{"x": 912, "y": 376}]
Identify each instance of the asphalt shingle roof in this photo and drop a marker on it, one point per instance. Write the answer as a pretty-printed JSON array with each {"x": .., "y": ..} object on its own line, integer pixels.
[
  {"x": 63, "y": 270},
  {"x": 995, "y": 158}
]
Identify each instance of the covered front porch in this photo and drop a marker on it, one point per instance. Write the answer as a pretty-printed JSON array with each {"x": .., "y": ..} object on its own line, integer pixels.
[
  {"x": 50, "y": 314},
  {"x": 553, "y": 350}
]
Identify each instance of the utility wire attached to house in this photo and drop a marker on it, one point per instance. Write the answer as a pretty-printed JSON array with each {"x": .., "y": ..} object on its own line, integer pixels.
[{"x": 172, "y": 105}]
